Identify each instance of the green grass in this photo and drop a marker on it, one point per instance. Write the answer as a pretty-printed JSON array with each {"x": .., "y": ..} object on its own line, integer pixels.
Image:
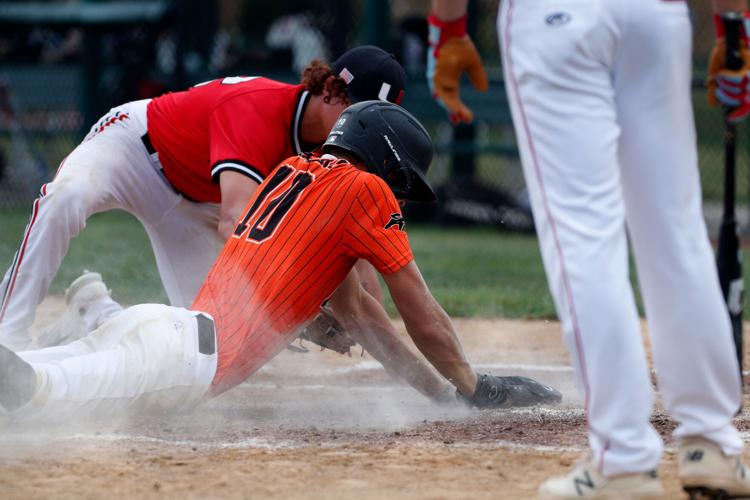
[
  {"x": 481, "y": 272},
  {"x": 113, "y": 243},
  {"x": 471, "y": 272}
]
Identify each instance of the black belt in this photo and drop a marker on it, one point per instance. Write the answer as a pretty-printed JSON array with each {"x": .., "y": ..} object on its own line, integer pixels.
[
  {"x": 147, "y": 142},
  {"x": 206, "y": 334}
]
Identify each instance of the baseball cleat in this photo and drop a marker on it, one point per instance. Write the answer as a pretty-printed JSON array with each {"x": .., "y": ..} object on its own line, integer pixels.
[
  {"x": 17, "y": 380},
  {"x": 89, "y": 284},
  {"x": 585, "y": 481},
  {"x": 706, "y": 472},
  {"x": 79, "y": 296},
  {"x": 508, "y": 392}
]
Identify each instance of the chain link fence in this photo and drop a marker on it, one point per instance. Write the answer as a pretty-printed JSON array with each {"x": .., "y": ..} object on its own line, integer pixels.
[{"x": 58, "y": 74}]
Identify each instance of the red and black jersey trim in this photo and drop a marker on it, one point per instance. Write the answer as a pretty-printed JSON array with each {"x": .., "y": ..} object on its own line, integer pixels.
[
  {"x": 295, "y": 135},
  {"x": 236, "y": 166}
]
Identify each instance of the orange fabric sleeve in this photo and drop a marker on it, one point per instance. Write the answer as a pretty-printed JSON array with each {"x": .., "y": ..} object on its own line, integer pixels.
[{"x": 375, "y": 229}]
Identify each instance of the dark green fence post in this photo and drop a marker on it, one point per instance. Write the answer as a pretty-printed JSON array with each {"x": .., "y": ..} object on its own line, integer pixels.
[
  {"x": 341, "y": 26},
  {"x": 464, "y": 155},
  {"x": 377, "y": 27}
]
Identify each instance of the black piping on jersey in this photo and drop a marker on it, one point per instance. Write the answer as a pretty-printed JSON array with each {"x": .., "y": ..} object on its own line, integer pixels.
[
  {"x": 313, "y": 277},
  {"x": 310, "y": 258},
  {"x": 374, "y": 202},
  {"x": 294, "y": 133},
  {"x": 236, "y": 166}
]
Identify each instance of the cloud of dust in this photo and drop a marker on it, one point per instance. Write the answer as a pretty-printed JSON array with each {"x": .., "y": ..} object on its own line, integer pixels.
[{"x": 290, "y": 399}]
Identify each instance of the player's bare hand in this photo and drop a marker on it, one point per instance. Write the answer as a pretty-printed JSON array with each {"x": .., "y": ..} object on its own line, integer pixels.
[
  {"x": 730, "y": 88},
  {"x": 451, "y": 54}
]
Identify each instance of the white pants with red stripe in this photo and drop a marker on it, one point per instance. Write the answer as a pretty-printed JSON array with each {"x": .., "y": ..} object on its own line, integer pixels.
[
  {"x": 601, "y": 103},
  {"x": 110, "y": 169},
  {"x": 146, "y": 359}
]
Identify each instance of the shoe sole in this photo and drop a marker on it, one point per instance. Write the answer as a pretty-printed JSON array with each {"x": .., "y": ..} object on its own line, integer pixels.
[
  {"x": 80, "y": 282},
  {"x": 709, "y": 493},
  {"x": 612, "y": 496},
  {"x": 17, "y": 380}
]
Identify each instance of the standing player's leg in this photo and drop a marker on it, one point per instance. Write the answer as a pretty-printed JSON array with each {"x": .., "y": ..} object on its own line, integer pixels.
[
  {"x": 186, "y": 243},
  {"x": 691, "y": 334},
  {"x": 568, "y": 146},
  {"x": 80, "y": 189},
  {"x": 110, "y": 169},
  {"x": 163, "y": 359}
]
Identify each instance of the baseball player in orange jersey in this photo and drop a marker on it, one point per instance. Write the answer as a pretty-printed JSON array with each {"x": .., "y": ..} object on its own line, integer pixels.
[
  {"x": 292, "y": 248},
  {"x": 183, "y": 164},
  {"x": 600, "y": 96}
]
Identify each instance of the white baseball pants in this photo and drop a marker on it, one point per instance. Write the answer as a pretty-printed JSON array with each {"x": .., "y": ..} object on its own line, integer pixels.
[
  {"x": 146, "y": 359},
  {"x": 110, "y": 169},
  {"x": 600, "y": 96}
]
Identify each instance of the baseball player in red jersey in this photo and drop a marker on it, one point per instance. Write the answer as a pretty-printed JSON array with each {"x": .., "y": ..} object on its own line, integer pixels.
[
  {"x": 293, "y": 247},
  {"x": 184, "y": 164}
]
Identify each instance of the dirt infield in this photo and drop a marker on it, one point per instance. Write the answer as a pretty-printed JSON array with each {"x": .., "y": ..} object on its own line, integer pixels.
[{"x": 321, "y": 426}]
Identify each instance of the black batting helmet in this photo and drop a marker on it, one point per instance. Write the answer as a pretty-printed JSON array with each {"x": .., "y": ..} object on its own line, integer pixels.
[{"x": 391, "y": 143}]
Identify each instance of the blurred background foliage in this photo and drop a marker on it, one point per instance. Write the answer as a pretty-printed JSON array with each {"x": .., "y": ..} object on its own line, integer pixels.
[{"x": 64, "y": 63}]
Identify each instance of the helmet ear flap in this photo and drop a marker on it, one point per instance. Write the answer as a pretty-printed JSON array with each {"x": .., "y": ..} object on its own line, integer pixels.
[{"x": 397, "y": 176}]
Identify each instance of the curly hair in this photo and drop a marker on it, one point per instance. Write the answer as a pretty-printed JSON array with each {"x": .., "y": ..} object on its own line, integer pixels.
[{"x": 318, "y": 77}]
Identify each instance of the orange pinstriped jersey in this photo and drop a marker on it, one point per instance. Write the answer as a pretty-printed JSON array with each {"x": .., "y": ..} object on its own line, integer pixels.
[{"x": 301, "y": 233}]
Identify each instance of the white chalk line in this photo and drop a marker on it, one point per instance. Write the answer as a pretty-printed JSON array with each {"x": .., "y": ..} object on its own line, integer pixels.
[
  {"x": 324, "y": 387},
  {"x": 244, "y": 443},
  {"x": 375, "y": 366},
  {"x": 259, "y": 443},
  {"x": 255, "y": 443},
  {"x": 267, "y": 444},
  {"x": 264, "y": 443}
]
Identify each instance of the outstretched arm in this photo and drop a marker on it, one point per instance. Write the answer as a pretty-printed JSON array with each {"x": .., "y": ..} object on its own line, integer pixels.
[
  {"x": 236, "y": 190},
  {"x": 365, "y": 320},
  {"x": 432, "y": 331},
  {"x": 368, "y": 277},
  {"x": 430, "y": 327}
]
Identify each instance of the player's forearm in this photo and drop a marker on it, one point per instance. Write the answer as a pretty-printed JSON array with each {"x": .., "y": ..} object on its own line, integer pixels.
[
  {"x": 430, "y": 327},
  {"x": 449, "y": 10},
  {"x": 729, "y": 5},
  {"x": 226, "y": 226},
  {"x": 435, "y": 338},
  {"x": 365, "y": 320},
  {"x": 368, "y": 278},
  {"x": 229, "y": 214},
  {"x": 236, "y": 191}
]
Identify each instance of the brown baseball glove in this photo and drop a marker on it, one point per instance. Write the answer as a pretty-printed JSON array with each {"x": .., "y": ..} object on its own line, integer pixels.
[{"x": 328, "y": 333}]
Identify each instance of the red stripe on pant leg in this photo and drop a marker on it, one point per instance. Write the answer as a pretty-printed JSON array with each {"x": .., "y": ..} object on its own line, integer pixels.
[
  {"x": 22, "y": 249},
  {"x": 59, "y": 167},
  {"x": 548, "y": 213},
  {"x": 17, "y": 264}
]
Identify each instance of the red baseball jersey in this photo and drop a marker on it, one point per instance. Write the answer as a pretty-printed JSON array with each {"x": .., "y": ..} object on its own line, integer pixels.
[
  {"x": 300, "y": 234},
  {"x": 245, "y": 124}
]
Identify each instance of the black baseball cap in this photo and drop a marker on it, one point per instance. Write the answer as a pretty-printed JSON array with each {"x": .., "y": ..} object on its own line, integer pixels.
[{"x": 370, "y": 74}]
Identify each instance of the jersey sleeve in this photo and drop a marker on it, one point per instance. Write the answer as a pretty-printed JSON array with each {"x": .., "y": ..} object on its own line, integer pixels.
[
  {"x": 375, "y": 228},
  {"x": 243, "y": 140}
]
